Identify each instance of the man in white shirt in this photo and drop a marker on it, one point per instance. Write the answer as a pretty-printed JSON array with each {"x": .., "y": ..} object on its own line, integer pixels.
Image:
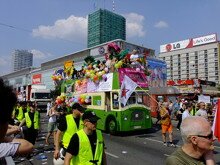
[
  {"x": 186, "y": 113},
  {"x": 202, "y": 111}
]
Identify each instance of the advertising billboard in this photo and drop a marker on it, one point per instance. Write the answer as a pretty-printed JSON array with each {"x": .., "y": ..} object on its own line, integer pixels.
[
  {"x": 157, "y": 73},
  {"x": 36, "y": 79},
  {"x": 189, "y": 43}
]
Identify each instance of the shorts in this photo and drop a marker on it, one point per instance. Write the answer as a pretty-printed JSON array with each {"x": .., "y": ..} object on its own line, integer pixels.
[
  {"x": 167, "y": 128},
  {"x": 52, "y": 127}
]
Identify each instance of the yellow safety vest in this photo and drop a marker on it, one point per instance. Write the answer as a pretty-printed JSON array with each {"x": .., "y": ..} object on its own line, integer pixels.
[
  {"x": 20, "y": 115},
  {"x": 36, "y": 120},
  {"x": 85, "y": 155},
  {"x": 193, "y": 112},
  {"x": 71, "y": 129},
  {"x": 28, "y": 109}
]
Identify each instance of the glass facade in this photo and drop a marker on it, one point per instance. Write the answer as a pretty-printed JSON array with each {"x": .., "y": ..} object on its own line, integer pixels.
[{"x": 104, "y": 26}]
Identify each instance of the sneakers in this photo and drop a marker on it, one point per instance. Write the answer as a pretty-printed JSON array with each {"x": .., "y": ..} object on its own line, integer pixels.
[
  {"x": 172, "y": 145},
  {"x": 165, "y": 144}
]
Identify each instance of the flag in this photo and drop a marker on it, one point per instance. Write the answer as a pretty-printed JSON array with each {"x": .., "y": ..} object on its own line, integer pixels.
[
  {"x": 127, "y": 88},
  {"x": 216, "y": 122}
]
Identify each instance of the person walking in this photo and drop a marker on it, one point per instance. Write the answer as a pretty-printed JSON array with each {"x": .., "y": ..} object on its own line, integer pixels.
[
  {"x": 202, "y": 111},
  {"x": 52, "y": 124},
  {"x": 68, "y": 126},
  {"x": 87, "y": 145},
  {"x": 166, "y": 125},
  {"x": 32, "y": 120},
  {"x": 179, "y": 116},
  {"x": 197, "y": 146},
  {"x": 187, "y": 111}
]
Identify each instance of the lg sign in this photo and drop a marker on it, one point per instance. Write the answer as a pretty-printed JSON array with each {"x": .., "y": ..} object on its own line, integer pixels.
[
  {"x": 170, "y": 47},
  {"x": 189, "y": 43}
]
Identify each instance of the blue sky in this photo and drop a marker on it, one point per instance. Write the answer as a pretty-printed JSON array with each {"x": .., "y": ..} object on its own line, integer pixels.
[{"x": 53, "y": 28}]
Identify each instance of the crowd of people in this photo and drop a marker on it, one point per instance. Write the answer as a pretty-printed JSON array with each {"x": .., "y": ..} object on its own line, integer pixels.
[
  {"x": 74, "y": 131},
  {"x": 77, "y": 141},
  {"x": 194, "y": 122}
]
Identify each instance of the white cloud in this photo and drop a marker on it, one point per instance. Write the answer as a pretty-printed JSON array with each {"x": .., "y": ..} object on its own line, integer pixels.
[
  {"x": 37, "y": 54},
  {"x": 161, "y": 24},
  {"x": 134, "y": 25},
  {"x": 3, "y": 62},
  {"x": 69, "y": 29}
]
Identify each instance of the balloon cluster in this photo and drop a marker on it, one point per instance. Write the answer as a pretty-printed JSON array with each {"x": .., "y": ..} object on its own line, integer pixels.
[
  {"x": 81, "y": 99},
  {"x": 58, "y": 76},
  {"x": 95, "y": 70},
  {"x": 96, "y": 75},
  {"x": 60, "y": 99}
]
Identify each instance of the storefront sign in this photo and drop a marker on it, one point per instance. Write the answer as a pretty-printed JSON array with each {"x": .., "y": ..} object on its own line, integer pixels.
[{"x": 36, "y": 79}]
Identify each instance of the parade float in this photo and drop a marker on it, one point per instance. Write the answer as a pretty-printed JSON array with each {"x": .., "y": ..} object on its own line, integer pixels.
[{"x": 122, "y": 105}]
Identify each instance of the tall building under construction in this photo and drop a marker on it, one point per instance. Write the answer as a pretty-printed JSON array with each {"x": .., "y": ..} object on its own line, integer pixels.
[{"x": 104, "y": 26}]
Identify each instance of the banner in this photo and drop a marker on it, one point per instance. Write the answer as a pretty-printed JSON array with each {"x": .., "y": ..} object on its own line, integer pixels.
[
  {"x": 127, "y": 88},
  {"x": 216, "y": 122},
  {"x": 81, "y": 86},
  {"x": 137, "y": 76},
  {"x": 103, "y": 85}
]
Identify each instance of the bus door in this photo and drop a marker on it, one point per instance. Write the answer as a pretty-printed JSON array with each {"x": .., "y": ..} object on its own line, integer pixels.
[{"x": 107, "y": 101}]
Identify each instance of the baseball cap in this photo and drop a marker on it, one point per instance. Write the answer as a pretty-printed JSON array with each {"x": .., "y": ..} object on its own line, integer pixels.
[
  {"x": 91, "y": 116},
  {"x": 78, "y": 107}
]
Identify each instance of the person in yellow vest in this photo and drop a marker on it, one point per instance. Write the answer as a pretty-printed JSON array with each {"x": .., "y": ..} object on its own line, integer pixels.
[
  {"x": 32, "y": 120},
  {"x": 67, "y": 126},
  {"x": 18, "y": 113},
  {"x": 87, "y": 145}
]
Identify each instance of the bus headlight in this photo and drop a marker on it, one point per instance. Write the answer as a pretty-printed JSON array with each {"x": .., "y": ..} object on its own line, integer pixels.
[
  {"x": 125, "y": 118},
  {"x": 147, "y": 116}
]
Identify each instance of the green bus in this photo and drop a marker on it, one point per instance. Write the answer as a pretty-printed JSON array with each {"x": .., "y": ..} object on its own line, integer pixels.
[{"x": 105, "y": 102}]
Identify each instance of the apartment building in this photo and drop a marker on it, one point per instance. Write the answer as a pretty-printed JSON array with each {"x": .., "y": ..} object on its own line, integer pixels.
[{"x": 195, "y": 58}]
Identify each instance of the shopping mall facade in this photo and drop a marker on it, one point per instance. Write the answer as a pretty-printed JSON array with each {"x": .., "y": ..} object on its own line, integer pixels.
[{"x": 43, "y": 74}]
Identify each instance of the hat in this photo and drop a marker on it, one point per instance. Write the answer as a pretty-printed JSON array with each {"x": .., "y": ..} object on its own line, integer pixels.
[
  {"x": 91, "y": 116},
  {"x": 78, "y": 107}
]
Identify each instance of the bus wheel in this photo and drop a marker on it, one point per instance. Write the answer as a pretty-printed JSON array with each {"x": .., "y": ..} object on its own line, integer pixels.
[{"x": 111, "y": 126}]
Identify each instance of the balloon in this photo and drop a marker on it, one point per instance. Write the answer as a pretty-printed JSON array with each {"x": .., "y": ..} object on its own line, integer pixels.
[
  {"x": 104, "y": 77},
  {"x": 106, "y": 69},
  {"x": 82, "y": 100},
  {"x": 95, "y": 78},
  {"x": 138, "y": 69}
]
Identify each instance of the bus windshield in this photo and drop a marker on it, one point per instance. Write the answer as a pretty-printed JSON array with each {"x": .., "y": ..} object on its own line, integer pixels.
[
  {"x": 135, "y": 98},
  {"x": 42, "y": 95}
]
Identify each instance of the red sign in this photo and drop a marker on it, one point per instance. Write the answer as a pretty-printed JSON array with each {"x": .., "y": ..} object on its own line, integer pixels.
[
  {"x": 36, "y": 79},
  {"x": 180, "y": 82}
]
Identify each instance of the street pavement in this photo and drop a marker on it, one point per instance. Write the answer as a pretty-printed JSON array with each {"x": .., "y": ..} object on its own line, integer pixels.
[{"x": 139, "y": 148}]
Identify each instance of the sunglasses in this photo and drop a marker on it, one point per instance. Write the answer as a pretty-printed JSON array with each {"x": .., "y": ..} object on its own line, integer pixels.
[{"x": 210, "y": 136}]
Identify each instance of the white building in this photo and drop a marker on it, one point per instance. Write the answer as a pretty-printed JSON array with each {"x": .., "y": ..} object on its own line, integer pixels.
[
  {"x": 43, "y": 74},
  {"x": 195, "y": 58}
]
